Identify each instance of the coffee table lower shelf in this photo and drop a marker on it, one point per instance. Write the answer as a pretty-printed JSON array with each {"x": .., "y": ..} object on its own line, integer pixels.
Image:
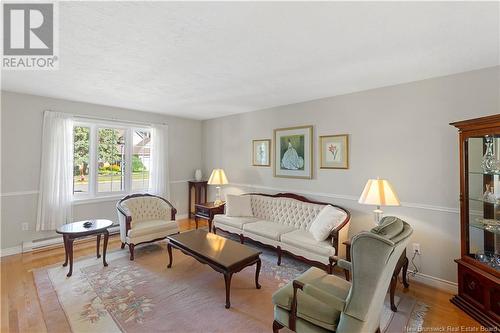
[{"x": 226, "y": 271}]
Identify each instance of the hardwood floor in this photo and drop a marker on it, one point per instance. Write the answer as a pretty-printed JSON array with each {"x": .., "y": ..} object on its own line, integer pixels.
[{"x": 20, "y": 309}]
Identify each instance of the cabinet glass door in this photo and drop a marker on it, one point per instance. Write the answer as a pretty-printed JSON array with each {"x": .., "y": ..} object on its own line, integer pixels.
[{"x": 483, "y": 177}]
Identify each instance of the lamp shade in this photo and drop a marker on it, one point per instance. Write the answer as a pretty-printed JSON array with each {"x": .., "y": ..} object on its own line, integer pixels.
[
  {"x": 379, "y": 192},
  {"x": 218, "y": 177}
]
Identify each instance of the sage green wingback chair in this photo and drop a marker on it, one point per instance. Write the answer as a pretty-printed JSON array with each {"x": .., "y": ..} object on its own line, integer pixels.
[{"x": 319, "y": 302}]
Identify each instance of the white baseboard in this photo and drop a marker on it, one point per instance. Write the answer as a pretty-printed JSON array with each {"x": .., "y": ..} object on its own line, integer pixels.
[
  {"x": 431, "y": 281},
  {"x": 11, "y": 250},
  {"x": 51, "y": 242}
]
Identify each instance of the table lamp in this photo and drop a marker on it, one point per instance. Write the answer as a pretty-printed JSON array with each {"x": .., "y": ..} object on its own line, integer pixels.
[
  {"x": 218, "y": 177},
  {"x": 378, "y": 192}
]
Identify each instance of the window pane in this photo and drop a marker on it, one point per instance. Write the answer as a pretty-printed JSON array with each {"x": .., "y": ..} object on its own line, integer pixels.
[
  {"x": 81, "y": 136},
  {"x": 111, "y": 155},
  {"x": 141, "y": 152}
]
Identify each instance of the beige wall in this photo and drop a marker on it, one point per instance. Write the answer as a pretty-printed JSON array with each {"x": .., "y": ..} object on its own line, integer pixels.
[
  {"x": 21, "y": 133},
  {"x": 401, "y": 133}
]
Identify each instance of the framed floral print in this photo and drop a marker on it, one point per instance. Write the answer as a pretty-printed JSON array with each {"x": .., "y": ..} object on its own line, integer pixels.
[
  {"x": 293, "y": 152},
  {"x": 261, "y": 152},
  {"x": 334, "y": 151}
]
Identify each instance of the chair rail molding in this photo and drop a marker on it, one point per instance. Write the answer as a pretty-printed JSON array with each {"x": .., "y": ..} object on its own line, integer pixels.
[{"x": 453, "y": 210}]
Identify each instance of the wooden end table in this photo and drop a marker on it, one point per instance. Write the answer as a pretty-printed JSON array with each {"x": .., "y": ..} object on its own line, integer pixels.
[
  {"x": 223, "y": 255},
  {"x": 207, "y": 210},
  {"x": 72, "y": 231},
  {"x": 402, "y": 264}
]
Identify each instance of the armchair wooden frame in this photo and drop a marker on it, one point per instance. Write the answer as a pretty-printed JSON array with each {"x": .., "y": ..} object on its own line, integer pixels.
[{"x": 128, "y": 218}]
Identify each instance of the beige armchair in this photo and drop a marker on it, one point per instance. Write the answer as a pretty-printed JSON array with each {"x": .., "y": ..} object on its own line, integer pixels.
[
  {"x": 145, "y": 218},
  {"x": 318, "y": 302}
]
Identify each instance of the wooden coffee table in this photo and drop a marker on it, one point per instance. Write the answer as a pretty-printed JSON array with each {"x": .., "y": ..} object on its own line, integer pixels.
[
  {"x": 223, "y": 255},
  {"x": 72, "y": 231}
]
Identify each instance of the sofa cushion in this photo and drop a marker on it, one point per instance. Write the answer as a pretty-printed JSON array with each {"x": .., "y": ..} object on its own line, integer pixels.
[
  {"x": 235, "y": 222},
  {"x": 303, "y": 239},
  {"x": 267, "y": 229},
  {"x": 328, "y": 219},
  {"x": 238, "y": 205},
  {"x": 151, "y": 227}
]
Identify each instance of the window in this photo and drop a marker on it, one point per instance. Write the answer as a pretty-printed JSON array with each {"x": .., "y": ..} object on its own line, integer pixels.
[{"x": 102, "y": 156}]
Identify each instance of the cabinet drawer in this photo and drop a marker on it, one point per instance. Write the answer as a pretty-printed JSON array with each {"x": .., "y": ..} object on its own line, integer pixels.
[{"x": 202, "y": 211}]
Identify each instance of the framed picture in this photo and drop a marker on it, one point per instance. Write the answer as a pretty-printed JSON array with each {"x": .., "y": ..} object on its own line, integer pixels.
[
  {"x": 334, "y": 151},
  {"x": 293, "y": 152},
  {"x": 261, "y": 152}
]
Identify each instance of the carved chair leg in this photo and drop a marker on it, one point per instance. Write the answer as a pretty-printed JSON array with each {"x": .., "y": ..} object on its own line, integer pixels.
[
  {"x": 123, "y": 245},
  {"x": 278, "y": 250},
  {"x": 329, "y": 269},
  {"x": 131, "y": 248},
  {"x": 214, "y": 230},
  {"x": 242, "y": 239},
  {"x": 276, "y": 326}
]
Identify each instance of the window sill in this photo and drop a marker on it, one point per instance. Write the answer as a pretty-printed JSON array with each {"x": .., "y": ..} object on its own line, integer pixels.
[{"x": 85, "y": 201}]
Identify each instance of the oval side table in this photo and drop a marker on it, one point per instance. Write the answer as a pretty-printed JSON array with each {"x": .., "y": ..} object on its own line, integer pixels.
[{"x": 72, "y": 231}]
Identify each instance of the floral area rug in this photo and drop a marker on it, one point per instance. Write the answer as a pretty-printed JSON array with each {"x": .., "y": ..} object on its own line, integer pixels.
[{"x": 144, "y": 296}]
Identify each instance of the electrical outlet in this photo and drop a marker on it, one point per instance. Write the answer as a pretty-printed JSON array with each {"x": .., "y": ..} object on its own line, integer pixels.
[
  {"x": 416, "y": 248},
  {"x": 25, "y": 226}
]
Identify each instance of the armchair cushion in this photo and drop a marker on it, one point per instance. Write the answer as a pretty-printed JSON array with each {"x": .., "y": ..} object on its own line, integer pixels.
[
  {"x": 303, "y": 239},
  {"x": 152, "y": 227},
  {"x": 322, "y": 312},
  {"x": 267, "y": 229}
]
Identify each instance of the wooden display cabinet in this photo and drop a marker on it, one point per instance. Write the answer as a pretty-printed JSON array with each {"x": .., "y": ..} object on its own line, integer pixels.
[{"x": 479, "y": 265}]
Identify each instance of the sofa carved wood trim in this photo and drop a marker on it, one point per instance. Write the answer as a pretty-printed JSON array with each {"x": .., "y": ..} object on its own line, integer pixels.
[
  {"x": 128, "y": 218},
  {"x": 333, "y": 238}
]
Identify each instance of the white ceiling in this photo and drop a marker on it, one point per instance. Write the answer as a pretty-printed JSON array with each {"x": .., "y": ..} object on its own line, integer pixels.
[{"x": 204, "y": 60}]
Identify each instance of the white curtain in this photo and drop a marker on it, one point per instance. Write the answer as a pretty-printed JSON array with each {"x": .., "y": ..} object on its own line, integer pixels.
[
  {"x": 56, "y": 173},
  {"x": 159, "y": 182}
]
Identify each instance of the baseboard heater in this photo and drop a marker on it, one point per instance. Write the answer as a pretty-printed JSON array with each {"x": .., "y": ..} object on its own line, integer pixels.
[{"x": 56, "y": 241}]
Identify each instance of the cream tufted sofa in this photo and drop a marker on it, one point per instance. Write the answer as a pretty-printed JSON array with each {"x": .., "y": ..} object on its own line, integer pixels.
[
  {"x": 145, "y": 218},
  {"x": 282, "y": 221}
]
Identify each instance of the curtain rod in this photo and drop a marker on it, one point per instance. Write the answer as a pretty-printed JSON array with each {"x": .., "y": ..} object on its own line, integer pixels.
[{"x": 112, "y": 119}]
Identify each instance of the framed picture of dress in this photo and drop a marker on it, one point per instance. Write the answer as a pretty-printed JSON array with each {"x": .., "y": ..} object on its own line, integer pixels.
[
  {"x": 334, "y": 151},
  {"x": 261, "y": 152},
  {"x": 293, "y": 152}
]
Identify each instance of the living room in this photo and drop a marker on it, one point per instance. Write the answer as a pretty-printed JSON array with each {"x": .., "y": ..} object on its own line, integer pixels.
[{"x": 338, "y": 163}]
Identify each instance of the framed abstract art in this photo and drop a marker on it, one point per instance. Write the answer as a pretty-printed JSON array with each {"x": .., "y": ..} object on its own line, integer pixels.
[
  {"x": 293, "y": 152},
  {"x": 334, "y": 151},
  {"x": 261, "y": 152}
]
